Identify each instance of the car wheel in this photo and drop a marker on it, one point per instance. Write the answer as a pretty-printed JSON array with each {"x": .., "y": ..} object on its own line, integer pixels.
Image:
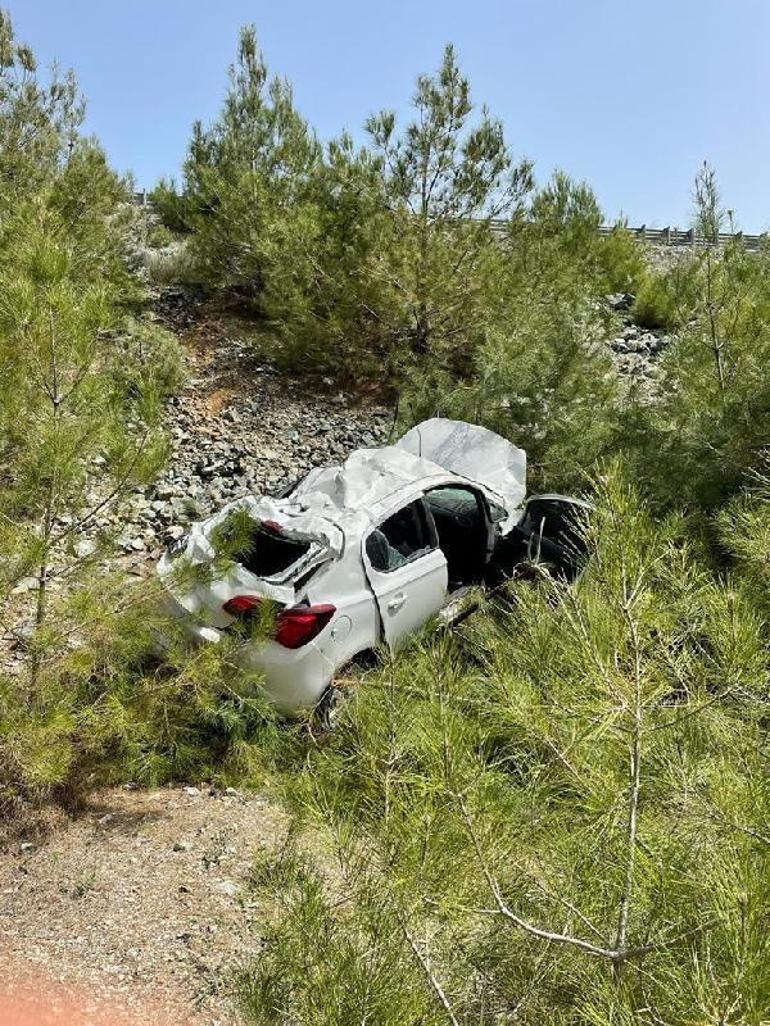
[{"x": 326, "y": 712}]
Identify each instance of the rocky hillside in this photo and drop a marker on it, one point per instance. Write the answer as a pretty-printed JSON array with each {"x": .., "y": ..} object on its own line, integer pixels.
[
  {"x": 636, "y": 351},
  {"x": 239, "y": 426}
]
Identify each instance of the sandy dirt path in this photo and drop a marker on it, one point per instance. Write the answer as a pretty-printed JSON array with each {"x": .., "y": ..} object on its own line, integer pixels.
[{"x": 139, "y": 908}]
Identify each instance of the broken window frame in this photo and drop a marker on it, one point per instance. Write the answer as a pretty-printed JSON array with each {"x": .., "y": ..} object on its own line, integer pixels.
[{"x": 425, "y": 527}]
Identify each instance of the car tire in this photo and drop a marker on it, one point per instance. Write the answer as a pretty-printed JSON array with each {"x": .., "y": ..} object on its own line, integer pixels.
[{"x": 326, "y": 712}]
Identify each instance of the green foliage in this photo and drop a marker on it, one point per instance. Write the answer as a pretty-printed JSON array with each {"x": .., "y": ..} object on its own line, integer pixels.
[
  {"x": 362, "y": 968},
  {"x": 246, "y": 178},
  {"x": 710, "y": 419},
  {"x": 325, "y": 300},
  {"x": 556, "y": 813},
  {"x": 710, "y": 216},
  {"x": 535, "y": 374},
  {"x": 744, "y": 531},
  {"x": 73, "y": 400},
  {"x": 170, "y": 206},
  {"x": 621, "y": 261},
  {"x": 657, "y": 303},
  {"x": 81, "y": 389},
  {"x": 39, "y": 120},
  {"x": 446, "y": 178},
  {"x": 105, "y": 707},
  {"x": 148, "y": 361},
  {"x": 159, "y": 237},
  {"x": 537, "y": 380}
]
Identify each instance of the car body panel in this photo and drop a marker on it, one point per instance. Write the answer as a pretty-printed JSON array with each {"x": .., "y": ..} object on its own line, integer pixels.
[
  {"x": 408, "y": 596},
  {"x": 476, "y": 454}
]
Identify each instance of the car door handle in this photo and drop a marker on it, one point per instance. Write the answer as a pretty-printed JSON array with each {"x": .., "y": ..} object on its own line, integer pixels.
[{"x": 396, "y": 602}]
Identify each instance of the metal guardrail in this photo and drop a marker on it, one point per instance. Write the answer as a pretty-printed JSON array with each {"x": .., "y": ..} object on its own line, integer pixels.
[
  {"x": 674, "y": 236},
  {"x": 655, "y": 236}
]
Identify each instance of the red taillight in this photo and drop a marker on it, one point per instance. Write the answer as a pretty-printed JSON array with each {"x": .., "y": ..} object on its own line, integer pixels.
[
  {"x": 300, "y": 624},
  {"x": 294, "y": 627},
  {"x": 240, "y": 605}
]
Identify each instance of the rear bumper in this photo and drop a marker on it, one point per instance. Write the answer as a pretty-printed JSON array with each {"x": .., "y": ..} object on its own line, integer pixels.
[{"x": 293, "y": 679}]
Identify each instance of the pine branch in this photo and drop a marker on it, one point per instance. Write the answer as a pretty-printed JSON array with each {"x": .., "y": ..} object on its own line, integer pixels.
[{"x": 424, "y": 964}]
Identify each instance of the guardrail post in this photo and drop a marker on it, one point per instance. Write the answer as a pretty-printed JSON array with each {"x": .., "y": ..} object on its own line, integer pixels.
[
  {"x": 643, "y": 232},
  {"x": 667, "y": 234},
  {"x": 691, "y": 237}
]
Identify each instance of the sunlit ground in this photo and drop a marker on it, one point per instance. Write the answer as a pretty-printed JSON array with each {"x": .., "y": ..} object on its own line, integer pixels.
[{"x": 37, "y": 1001}]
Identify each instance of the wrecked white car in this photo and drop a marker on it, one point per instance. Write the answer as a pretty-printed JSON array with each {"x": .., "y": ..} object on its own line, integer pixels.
[{"x": 362, "y": 554}]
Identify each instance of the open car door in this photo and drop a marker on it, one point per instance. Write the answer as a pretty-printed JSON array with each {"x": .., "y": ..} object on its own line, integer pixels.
[
  {"x": 550, "y": 531},
  {"x": 552, "y": 528},
  {"x": 406, "y": 571}
]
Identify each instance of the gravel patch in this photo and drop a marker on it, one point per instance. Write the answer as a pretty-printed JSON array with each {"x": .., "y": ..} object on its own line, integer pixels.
[
  {"x": 142, "y": 902},
  {"x": 238, "y": 427}
]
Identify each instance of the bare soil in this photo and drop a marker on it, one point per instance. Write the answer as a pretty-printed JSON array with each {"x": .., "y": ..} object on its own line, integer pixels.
[{"x": 141, "y": 905}]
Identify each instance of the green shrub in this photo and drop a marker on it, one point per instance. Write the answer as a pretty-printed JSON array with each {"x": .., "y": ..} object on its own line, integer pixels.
[
  {"x": 535, "y": 371},
  {"x": 152, "y": 361},
  {"x": 711, "y": 417},
  {"x": 622, "y": 261},
  {"x": 176, "y": 265},
  {"x": 247, "y": 178},
  {"x": 159, "y": 237},
  {"x": 104, "y": 707},
  {"x": 658, "y": 302},
  {"x": 171, "y": 206}
]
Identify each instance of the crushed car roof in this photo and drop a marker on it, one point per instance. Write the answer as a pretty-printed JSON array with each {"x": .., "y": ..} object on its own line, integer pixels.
[
  {"x": 348, "y": 497},
  {"x": 430, "y": 450},
  {"x": 367, "y": 478}
]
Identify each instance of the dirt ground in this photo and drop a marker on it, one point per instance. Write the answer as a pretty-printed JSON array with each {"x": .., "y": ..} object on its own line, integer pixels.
[{"x": 138, "y": 910}]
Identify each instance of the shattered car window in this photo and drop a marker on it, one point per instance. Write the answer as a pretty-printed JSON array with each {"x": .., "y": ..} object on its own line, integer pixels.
[
  {"x": 399, "y": 539},
  {"x": 269, "y": 552}
]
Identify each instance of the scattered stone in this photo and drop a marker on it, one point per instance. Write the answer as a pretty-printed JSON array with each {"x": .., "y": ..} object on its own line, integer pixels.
[
  {"x": 620, "y": 300},
  {"x": 636, "y": 352},
  {"x": 25, "y": 584},
  {"x": 228, "y": 887}
]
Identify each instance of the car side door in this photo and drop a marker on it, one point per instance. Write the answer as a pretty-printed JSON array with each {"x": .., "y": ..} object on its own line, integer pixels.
[
  {"x": 406, "y": 571},
  {"x": 552, "y": 528}
]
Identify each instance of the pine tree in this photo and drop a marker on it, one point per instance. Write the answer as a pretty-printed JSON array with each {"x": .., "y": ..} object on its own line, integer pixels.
[
  {"x": 246, "y": 178},
  {"x": 39, "y": 121},
  {"x": 79, "y": 409},
  {"x": 446, "y": 179}
]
